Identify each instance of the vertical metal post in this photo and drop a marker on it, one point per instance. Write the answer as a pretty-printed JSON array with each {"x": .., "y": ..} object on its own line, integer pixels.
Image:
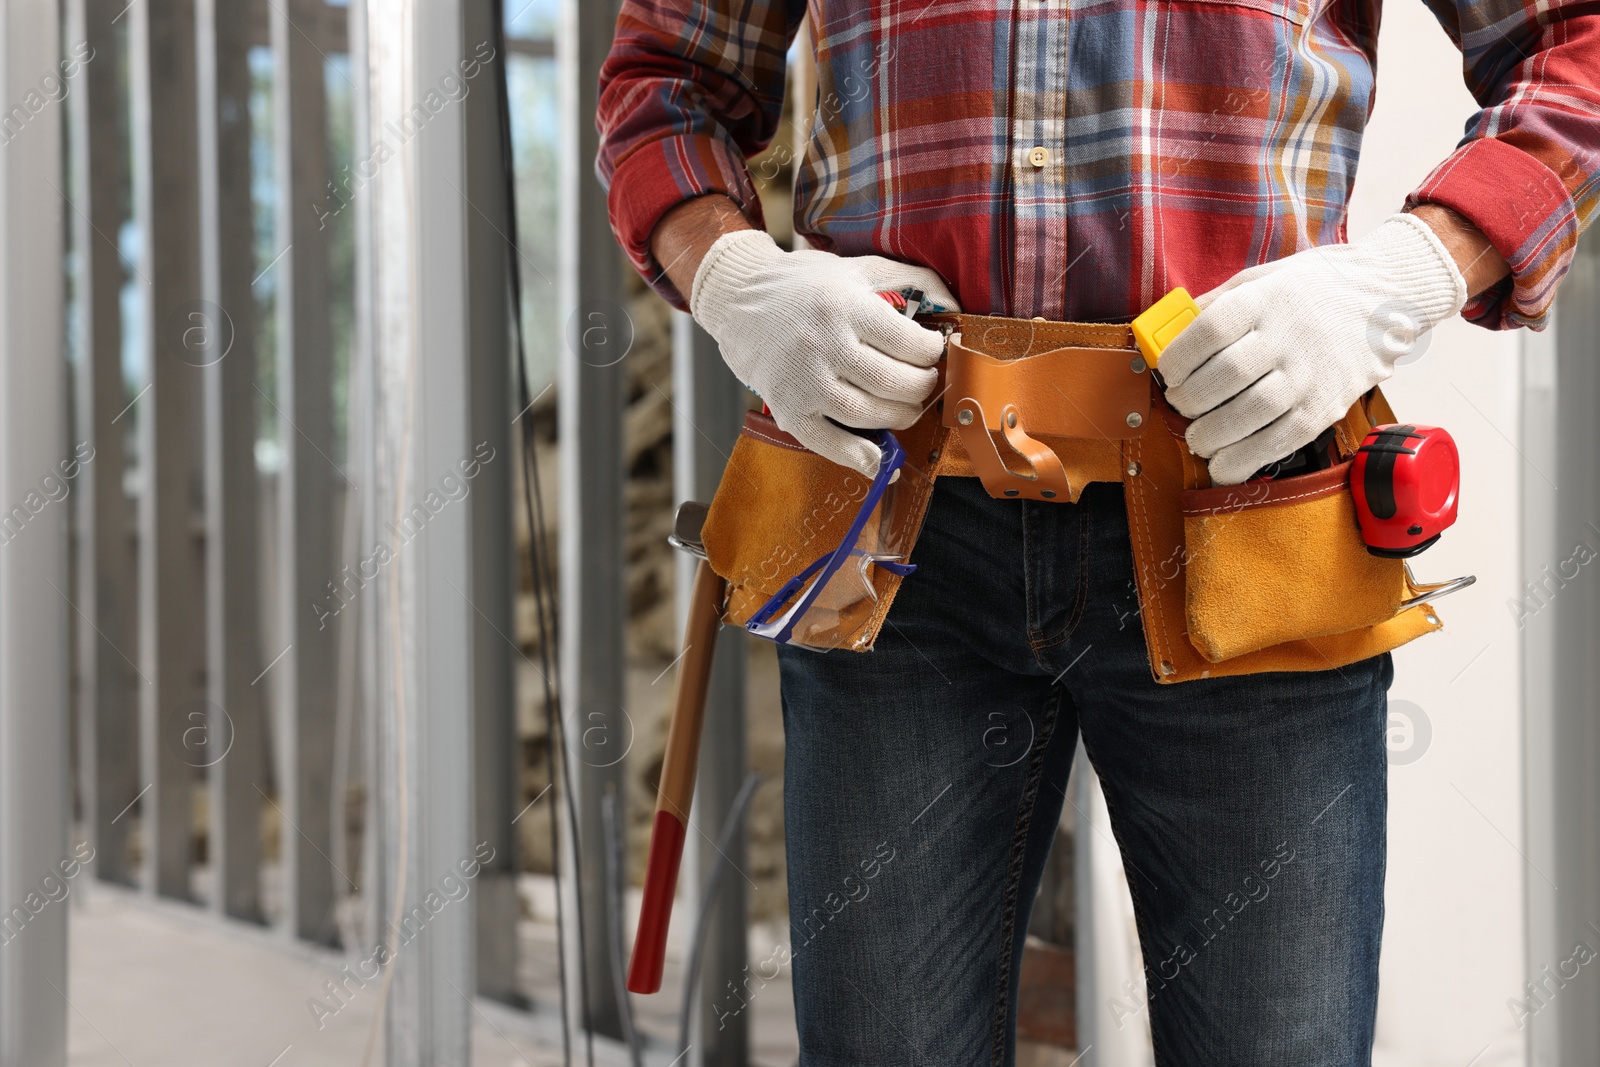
[
  {"x": 34, "y": 766},
  {"x": 1540, "y": 432},
  {"x": 363, "y": 460},
  {"x": 171, "y": 619},
  {"x": 709, "y": 405},
  {"x": 1577, "y": 613},
  {"x": 107, "y": 739},
  {"x": 591, "y": 375},
  {"x": 423, "y": 436},
  {"x": 224, "y": 329},
  {"x": 304, "y": 680},
  {"x": 496, "y": 753},
  {"x": 1560, "y": 618}
]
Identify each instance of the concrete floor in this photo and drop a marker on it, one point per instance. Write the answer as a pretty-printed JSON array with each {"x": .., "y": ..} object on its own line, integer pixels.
[
  {"x": 166, "y": 985},
  {"x": 151, "y": 988}
]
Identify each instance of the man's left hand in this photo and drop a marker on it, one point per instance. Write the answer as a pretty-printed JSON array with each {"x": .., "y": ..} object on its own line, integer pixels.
[{"x": 1282, "y": 350}]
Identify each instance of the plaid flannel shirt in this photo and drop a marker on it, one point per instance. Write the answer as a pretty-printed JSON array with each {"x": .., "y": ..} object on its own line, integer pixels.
[{"x": 1077, "y": 158}]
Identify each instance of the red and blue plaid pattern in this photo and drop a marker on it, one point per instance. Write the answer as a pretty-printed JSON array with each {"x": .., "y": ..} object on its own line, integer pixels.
[{"x": 1076, "y": 159}]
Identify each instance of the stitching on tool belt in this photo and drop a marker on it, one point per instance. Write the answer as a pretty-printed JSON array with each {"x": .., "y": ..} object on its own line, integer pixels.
[
  {"x": 1068, "y": 334},
  {"x": 793, "y": 446},
  {"x": 1149, "y": 608},
  {"x": 1150, "y": 604},
  {"x": 1176, "y": 424},
  {"x": 1194, "y": 468},
  {"x": 753, "y": 429},
  {"x": 1226, "y": 499},
  {"x": 1225, "y": 509}
]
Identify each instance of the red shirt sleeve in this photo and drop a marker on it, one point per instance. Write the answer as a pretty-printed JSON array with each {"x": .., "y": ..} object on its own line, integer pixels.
[
  {"x": 689, "y": 91},
  {"x": 1528, "y": 172}
]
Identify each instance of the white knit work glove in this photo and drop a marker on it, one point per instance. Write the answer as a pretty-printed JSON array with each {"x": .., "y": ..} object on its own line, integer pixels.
[
  {"x": 1283, "y": 349},
  {"x": 806, "y": 331}
]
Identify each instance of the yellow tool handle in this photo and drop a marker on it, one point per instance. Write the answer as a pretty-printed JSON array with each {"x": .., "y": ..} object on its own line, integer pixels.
[{"x": 1162, "y": 321}]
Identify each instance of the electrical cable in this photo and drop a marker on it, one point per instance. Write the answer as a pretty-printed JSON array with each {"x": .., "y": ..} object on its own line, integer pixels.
[
  {"x": 544, "y": 592},
  {"x": 619, "y": 963},
  {"x": 691, "y": 971}
]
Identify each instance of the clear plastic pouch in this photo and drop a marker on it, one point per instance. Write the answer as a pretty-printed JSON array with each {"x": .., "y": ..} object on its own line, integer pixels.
[{"x": 812, "y": 551}]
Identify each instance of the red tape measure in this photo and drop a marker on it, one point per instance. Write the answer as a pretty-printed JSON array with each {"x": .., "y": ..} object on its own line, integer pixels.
[{"x": 1406, "y": 481}]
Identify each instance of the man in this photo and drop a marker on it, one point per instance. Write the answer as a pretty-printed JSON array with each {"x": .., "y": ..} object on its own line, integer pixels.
[{"x": 1074, "y": 160}]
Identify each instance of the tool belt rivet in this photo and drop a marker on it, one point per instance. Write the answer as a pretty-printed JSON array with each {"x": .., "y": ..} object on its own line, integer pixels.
[
  {"x": 933, "y": 457},
  {"x": 1011, "y": 419},
  {"x": 1138, "y": 365},
  {"x": 1133, "y": 469},
  {"x": 1048, "y": 494},
  {"x": 1135, "y": 419},
  {"x": 1167, "y": 667},
  {"x": 964, "y": 416}
]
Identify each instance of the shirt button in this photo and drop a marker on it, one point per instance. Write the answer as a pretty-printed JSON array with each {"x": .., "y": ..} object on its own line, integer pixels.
[{"x": 1039, "y": 156}]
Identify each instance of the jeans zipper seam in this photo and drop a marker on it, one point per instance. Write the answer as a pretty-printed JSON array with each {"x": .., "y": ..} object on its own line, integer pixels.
[{"x": 1063, "y": 635}]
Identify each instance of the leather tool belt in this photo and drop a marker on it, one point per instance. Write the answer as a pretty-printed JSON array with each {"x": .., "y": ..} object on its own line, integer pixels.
[
  {"x": 1266, "y": 576},
  {"x": 1038, "y": 409}
]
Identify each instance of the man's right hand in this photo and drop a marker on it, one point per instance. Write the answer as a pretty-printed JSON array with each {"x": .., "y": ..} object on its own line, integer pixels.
[
  {"x": 808, "y": 333},
  {"x": 806, "y": 329}
]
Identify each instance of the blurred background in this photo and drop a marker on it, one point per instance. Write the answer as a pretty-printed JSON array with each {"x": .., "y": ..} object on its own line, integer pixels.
[{"x": 326, "y": 407}]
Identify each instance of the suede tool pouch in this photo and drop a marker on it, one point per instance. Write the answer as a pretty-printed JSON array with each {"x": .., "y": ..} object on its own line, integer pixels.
[
  {"x": 779, "y": 506},
  {"x": 1275, "y": 561}
]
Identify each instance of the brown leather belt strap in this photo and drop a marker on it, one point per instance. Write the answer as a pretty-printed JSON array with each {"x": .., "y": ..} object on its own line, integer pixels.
[
  {"x": 1022, "y": 394},
  {"x": 1007, "y": 337}
]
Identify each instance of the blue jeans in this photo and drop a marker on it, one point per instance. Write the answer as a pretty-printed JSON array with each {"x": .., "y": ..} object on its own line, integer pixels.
[{"x": 924, "y": 781}]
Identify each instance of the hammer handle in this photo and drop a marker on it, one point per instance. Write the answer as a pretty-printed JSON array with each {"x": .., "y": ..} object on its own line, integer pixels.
[{"x": 676, "y": 791}]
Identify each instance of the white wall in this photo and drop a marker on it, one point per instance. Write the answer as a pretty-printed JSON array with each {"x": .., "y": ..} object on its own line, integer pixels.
[{"x": 1454, "y": 938}]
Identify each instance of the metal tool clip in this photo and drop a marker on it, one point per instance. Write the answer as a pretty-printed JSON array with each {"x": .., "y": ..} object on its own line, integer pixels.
[
  {"x": 687, "y": 523},
  {"x": 1435, "y": 591}
]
